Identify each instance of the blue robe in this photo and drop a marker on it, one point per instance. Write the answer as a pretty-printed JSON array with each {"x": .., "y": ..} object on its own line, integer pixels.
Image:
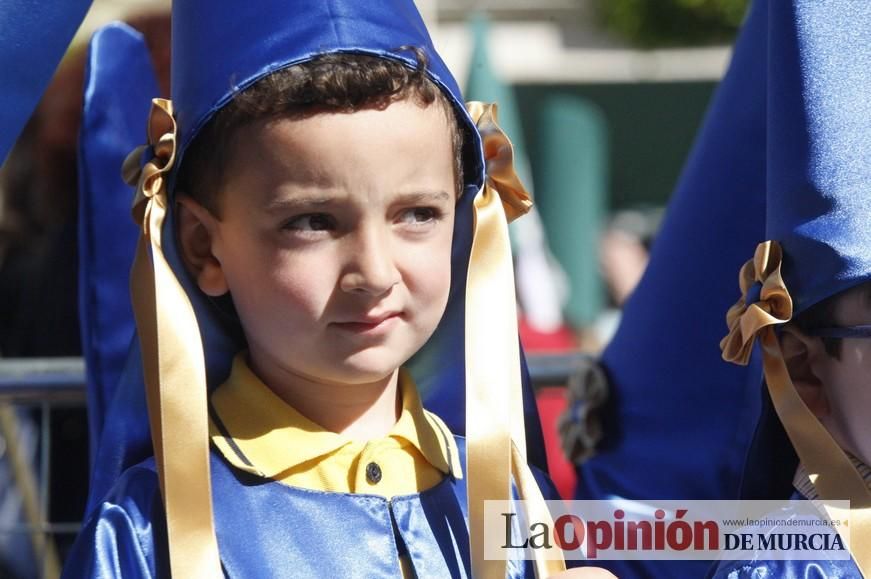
[
  {"x": 269, "y": 529},
  {"x": 760, "y": 568}
]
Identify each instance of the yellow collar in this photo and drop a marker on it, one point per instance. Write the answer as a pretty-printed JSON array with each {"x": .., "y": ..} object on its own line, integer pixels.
[{"x": 258, "y": 432}]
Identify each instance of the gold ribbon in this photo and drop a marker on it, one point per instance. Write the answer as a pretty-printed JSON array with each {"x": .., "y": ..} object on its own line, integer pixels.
[
  {"x": 173, "y": 363},
  {"x": 832, "y": 473},
  {"x": 773, "y": 307},
  {"x": 494, "y": 400}
]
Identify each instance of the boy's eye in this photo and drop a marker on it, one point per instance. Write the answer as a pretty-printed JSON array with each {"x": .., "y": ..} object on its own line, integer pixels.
[
  {"x": 310, "y": 222},
  {"x": 419, "y": 215}
]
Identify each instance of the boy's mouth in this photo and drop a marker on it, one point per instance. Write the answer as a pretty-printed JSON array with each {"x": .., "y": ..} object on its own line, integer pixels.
[{"x": 370, "y": 324}]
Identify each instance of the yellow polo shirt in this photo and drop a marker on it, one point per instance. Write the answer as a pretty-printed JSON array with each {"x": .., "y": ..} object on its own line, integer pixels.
[{"x": 257, "y": 432}]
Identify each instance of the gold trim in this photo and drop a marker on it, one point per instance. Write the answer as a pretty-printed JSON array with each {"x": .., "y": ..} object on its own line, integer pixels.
[
  {"x": 494, "y": 401},
  {"x": 174, "y": 365}
]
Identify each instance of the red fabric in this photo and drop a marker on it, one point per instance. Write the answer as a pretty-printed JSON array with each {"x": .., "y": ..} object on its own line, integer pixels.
[
  {"x": 534, "y": 341},
  {"x": 551, "y": 403}
]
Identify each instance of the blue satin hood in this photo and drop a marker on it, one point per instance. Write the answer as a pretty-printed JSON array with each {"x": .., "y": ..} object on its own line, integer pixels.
[
  {"x": 819, "y": 152},
  {"x": 241, "y": 46},
  {"x": 218, "y": 49},
  {"x": 35, "y": 38}
]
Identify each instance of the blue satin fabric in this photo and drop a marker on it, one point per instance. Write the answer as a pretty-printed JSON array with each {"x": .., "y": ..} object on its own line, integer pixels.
[
  {"x": 819, "y": 179},
  {"x": 219, "y": 47},
  {"x": 759, "y": 568},
  {"x": 267, "y": 529},
  {"x": 819, "y": 130},
  {"x": 242, "y": 45},
  {"x": 680, "y": 419},
  {"x": 120, "y": 83},
  {"x": 34, "y": 39},
  {"x": 787, "y": 570},
  {"x": 112, "y": 121}
]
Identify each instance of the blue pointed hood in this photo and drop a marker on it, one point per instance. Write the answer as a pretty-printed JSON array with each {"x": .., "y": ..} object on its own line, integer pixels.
[
  {"x": 34, "y": 40},
  {"x": 243, "y": 46},
  {"x": 818, "y": 206},
  {"x": 819, "y": 153},
  {"x": 679, "y": 419},
  {"x": 240, "y": 47}
]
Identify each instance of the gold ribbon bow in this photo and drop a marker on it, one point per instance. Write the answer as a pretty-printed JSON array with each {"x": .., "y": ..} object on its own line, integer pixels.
[
  {"x": 150, "y": 179},
  {"x": 173, "y": 363},
  {"x": 495, "y": 433},
  {"x": 773, "y": 307},
  {"x": 832, "y": 472},
  {"x": 499, "y": 158}
]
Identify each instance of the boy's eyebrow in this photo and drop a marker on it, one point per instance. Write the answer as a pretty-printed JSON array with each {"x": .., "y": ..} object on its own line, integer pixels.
[
  {"x": 298, "y": 201},
  {"x": 290, "y": 203},
  {"x": 424, "y": 196}
]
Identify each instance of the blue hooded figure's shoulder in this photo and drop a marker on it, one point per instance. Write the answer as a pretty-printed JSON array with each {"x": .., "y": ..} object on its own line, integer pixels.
[
  {"x": 786, "y": 570},
  {"x": 761, "y": 567},
  {"x": 119, "y": 538}
]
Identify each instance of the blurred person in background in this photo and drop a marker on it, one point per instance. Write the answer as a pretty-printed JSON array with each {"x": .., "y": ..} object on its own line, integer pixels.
[
  {"x": 623, "y": 255},
  {"x": 38, "y": 294},
  {"x": 625, "y": 250}
]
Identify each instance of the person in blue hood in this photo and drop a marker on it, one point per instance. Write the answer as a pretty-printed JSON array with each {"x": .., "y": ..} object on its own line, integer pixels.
[
  {"x": 806, "y": 294},
  {"x": 323, "y": 251}
]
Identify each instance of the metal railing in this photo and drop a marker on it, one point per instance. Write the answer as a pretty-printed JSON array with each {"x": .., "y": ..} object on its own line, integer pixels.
[
  {"x": 42, "y": 380},
  {"x": 29, "y": 390},
  {"x": 39, "y": 385}
]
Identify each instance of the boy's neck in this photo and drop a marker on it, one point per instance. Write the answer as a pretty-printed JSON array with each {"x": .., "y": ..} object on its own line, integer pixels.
[{"x": 359, "y": 411}]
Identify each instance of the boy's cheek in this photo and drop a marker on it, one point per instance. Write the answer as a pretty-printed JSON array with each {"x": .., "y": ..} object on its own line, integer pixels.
[{"x": 848, "y": 392}]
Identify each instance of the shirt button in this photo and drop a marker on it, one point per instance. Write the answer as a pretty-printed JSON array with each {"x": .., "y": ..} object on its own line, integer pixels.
[{"x": 373, "y": 473}]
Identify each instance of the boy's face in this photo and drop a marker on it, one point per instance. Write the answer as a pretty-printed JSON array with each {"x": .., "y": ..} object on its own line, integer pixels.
[
  {"x": 334, "y": 240},
  {"x": 846, "y": 382}
]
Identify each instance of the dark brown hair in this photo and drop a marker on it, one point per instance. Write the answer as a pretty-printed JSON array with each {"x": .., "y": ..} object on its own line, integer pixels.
[
  {"x": 822, "y": 315},
  {"x": 341, "y": 82}
]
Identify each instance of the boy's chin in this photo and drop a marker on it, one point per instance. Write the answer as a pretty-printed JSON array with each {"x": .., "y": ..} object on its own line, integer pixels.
[
  {"x": 366, "y": 370},
  {"x": 855, "y": 441},
  {"x": 372, "y": 364},
  {"x": 862, "y": 450}
]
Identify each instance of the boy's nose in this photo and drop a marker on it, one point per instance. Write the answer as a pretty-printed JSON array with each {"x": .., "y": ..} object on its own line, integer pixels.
[{"x": 371, "y": 268}]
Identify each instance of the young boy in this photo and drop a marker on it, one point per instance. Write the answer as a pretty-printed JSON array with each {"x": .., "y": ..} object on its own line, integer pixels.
[
  {"x": 813, "y": 281},
  {"x": 325, "y": 178}
]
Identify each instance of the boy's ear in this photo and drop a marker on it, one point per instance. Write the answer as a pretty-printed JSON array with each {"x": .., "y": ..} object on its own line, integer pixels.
[
  {"x": 803, "y": 355},
  {"x": 196, "y": 231}
]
